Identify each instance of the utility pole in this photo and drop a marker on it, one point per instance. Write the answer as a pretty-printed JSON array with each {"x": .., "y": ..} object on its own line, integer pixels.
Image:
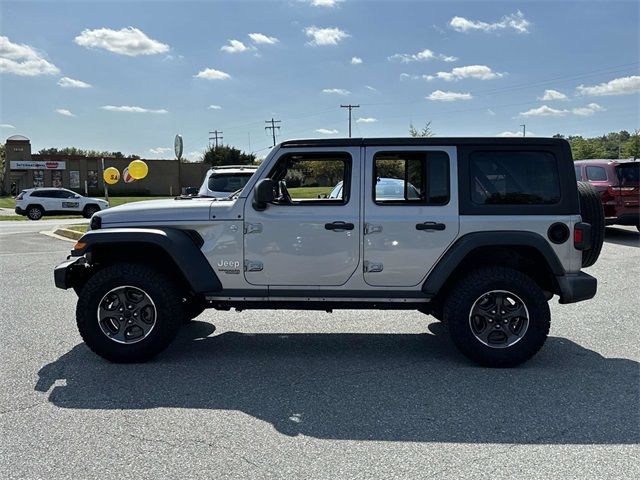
[
  {"x": 524, "y": 130},
  {"x": 350, "y": 107},
  {"x": 273, "y": 128},
  {"x": 215, "y": 135}
]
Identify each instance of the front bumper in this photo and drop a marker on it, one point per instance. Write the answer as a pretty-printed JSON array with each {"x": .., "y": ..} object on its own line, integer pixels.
[
  {"x": 66, "y": 273},
  {"x": 576, "y": 287}
]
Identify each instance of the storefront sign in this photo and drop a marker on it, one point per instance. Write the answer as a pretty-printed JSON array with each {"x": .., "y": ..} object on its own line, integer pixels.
[{"x": 37, "y": 165}]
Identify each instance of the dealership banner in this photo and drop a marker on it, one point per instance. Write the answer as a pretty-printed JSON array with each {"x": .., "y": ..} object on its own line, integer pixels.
[{"x": 37, "y": 165}]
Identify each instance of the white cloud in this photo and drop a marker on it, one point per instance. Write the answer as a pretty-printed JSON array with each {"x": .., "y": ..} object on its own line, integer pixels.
[
  {"x": 514, "y": 134},
  {"x": 160, "y": 150},
  {"x": 262, "y": 39},
  {"x": 480, "y": 72},
  {"x": 6, "y": 125},
  {"x": 131, "y": 109},
  {"x": 212, "y": 74},
  {"x": 64, "y": 112},
  {"x": 336, "y": 91},
  {"x": 552, "y": 95},
  {"x": 325, "y": 3},
  {"x": 515, "y": 22},
  {"x": 490, "y": 112},
  {"x": 370, "y": 88},
  {"x": 24, "y": 60},
  {"x": 588, "y": 110},
  {"x": 325, "y": 36},
  {"x": 441, "y": 96},
  {"x": 236, "y": 46},
  {"x": 544, "y": 111},
  {"x": 126, "y": 41},
  {"x": 356, "y": 60},
  {"x": 617, "y": 86},
  {"x": 366, "y": 120},
  {"x": 406, "y": 76},
  {"x": 326, "y": 131},
  {"x": 66, "y": 82},
  {"x": 421, "y": 56},
  {"x": 214, "y": 107},
  {"x": 195, "y": 155}
]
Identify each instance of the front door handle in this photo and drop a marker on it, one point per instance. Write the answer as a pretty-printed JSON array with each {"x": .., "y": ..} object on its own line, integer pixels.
[
  {"x": 430, "y": 226},
  {"x": 339, "y": 226}
]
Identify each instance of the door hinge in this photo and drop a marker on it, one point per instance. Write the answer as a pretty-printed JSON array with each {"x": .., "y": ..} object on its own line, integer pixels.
[
  {"x": 372, "y": 267},
  {"x": 252, "y": 228},
  {"x": 371, "y": 228},
  {"x": 253, "y": 266}
]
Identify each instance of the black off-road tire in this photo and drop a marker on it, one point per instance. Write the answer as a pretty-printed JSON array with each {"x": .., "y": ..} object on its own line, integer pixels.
[
  {"x": 34, "y": 212},
  {"x": 463, "y": 295},
  {"x": 163, "y": 292},
  {"x": 591, "y": 212},
  {"x": 89, "y": 210}
]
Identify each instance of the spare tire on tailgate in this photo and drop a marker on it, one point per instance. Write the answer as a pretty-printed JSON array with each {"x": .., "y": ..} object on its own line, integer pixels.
[{"x": 592, "y": 212}]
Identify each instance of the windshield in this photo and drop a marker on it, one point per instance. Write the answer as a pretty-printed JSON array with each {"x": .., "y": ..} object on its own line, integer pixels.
[
  {"x": 628, "y": 173},
  {"x": 228, "y": 182}
]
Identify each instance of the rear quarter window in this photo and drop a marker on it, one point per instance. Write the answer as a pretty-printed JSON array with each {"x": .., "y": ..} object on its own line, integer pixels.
[
  {"x": 514, "y": 178},
  {"x": 596, "y": 174}
]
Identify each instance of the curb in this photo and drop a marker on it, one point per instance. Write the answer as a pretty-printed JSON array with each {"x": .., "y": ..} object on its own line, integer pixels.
[{"x": 72, "y": 234}]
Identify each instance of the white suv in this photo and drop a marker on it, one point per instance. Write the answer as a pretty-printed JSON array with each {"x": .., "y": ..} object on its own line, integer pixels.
[
  {"x": 223, "y": 180},
  {"x": 36, "y": 202},
  {"x": 478, "y": 232}
]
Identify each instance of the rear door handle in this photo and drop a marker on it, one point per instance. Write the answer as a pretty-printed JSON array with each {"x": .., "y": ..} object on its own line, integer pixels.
[
  {"x": 339, "y": 226},
  {"x": 430, "y": 226}
]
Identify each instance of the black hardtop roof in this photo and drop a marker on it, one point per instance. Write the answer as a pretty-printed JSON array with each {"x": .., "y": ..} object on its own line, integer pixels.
[{"x": 412, "y": 141}]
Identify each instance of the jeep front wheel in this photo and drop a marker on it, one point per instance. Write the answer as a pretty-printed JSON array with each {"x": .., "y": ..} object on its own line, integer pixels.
[
  {"x": 128, "y": 312},
  {"x": 497, "y": 317}
]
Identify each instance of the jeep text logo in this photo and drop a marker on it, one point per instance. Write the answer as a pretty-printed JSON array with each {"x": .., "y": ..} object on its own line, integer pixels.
[{"x": 228, "y": 264}]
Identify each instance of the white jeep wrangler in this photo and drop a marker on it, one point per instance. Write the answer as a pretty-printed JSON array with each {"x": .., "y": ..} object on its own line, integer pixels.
[{"x": 479, "y": 232}]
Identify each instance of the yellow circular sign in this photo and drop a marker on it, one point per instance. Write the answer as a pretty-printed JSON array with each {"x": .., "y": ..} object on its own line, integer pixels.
[
  {"x": 111, "y": 175},
  {"x": 138, "y": 169}
]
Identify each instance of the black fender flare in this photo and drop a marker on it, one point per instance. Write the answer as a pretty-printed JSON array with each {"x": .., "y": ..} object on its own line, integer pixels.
[
  {"x": 469, "y": 242},
  {"x": 183, "y": 248}
]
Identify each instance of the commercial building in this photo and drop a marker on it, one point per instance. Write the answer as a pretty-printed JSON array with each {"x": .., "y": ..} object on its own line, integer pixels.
[{"x": 84, "y": 174}]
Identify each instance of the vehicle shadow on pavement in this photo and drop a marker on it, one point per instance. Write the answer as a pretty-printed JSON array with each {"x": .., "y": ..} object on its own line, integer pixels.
[
  {"x": 621, "y": 236},
  {"x": 392, "y": 387}
]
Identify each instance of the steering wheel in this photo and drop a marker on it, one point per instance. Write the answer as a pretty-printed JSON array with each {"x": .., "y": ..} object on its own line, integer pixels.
[{"x": 284, "y": 192}]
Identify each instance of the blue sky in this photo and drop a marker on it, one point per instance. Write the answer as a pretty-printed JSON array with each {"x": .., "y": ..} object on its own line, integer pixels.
[{"x": 128, "y": 76}]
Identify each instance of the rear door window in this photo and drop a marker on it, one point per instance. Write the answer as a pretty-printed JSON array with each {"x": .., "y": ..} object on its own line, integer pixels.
[
  {"x": 514, "y": 178},
  {"x": 596, "y": 174}
]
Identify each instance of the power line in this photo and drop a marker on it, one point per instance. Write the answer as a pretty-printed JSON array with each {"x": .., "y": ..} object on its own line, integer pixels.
[
  {"x": 273, "y": 128},
  {"x": 350, "y": 107},
  {"x": 216, "y": 136}
]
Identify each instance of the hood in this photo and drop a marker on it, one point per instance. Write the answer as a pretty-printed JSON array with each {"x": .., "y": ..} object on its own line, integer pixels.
[
  {"x": 99, "y": 200},
  {"x": 159, "y": 211}
]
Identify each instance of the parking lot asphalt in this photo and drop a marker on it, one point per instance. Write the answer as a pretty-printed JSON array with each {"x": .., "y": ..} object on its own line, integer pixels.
[{"x": 287, "y": 394}]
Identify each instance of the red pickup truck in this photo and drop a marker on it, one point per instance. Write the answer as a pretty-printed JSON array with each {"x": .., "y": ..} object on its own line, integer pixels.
[{"x": 617, "y": 182}]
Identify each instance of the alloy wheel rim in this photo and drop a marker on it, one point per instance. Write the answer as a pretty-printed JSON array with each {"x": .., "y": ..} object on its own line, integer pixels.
[
  {"x": 126, "y": 314},
  {"x": 499, "y": 319}
]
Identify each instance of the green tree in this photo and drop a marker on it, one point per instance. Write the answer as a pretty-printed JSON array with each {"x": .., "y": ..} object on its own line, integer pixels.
[
  {"x": 424, "y": 133},
  {"x": 227, "y": 155},
  {"x": 631, "y": 148},
  {"x": 74, "y": 151}
]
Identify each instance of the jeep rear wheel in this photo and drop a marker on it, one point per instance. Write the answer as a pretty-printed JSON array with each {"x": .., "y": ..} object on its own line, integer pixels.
[
  {"x": 497, "y": 317},
  {"x": 128, "y": 312},
  {"x": 34, "y": 212}
]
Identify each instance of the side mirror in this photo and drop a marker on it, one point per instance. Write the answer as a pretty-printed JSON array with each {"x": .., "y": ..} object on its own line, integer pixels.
[{"x": 263, "y": 193}]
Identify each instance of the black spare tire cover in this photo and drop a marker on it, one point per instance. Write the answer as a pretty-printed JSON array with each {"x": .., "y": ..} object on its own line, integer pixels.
[{"x": 592, "y": 212}]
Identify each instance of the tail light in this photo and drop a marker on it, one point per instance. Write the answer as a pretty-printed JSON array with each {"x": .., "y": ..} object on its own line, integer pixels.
[
  {"x": 614, "y": 191},
  {"x": 19, "y": 197},
  {"x": 582, "y": 236}
]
